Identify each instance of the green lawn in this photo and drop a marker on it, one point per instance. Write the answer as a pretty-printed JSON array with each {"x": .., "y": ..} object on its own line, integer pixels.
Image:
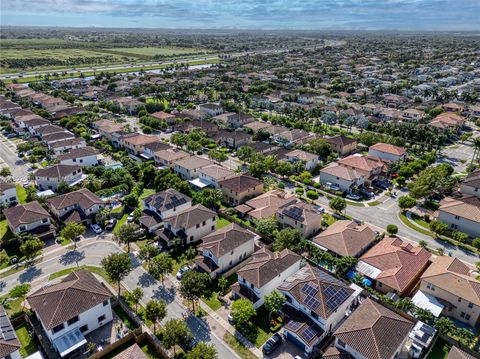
[
  {"x": 420, "y": 221},
  {"x": 211, "y": 298},
  {"x": 259, "y": 330},
  {"x": 121, "y": 222},
  {"x": 222, "y": 222},
  {"x": 124, "y": 317},
  {"x": 21, "y": 193},
  {"x": 440, "y": 350},
  {"x": 5, "y": 232},
  {"x": 329, "y": 219},
  {"x": 238, "y": 347},
  {"x": 407, "y": 222},
  {"x": 153, "y": 51},
  {"x": 146, "y": 192},
  {"x": 28, "y": 345},
  {"x": 150, "y": 351},
  {"x": 374, "y": 203},
  {"x": 66, "y": 271},
  {"x": 14, "y": 307}
]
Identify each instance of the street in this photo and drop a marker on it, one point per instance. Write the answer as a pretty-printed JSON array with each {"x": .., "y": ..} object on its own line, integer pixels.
[{"x": 10, "y": 159}]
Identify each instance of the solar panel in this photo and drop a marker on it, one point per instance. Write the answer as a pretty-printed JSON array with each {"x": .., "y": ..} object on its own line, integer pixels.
[
  {"x": 308, "y": 334},
  {"x": 294, "y": 213},
  {"x": 311, "y": 302},
  {"x": 337, "y": 298},
  {"x": 293, "y": 325},
  {"x": 9, "y": 335},
  {"x": 309, "y": 290}
]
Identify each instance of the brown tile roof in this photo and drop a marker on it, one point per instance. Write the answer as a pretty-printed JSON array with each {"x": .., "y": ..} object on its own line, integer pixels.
[
  {"x": 132, "y": 352},
  {"x": 473, "y": 179},
  {"x": 217, "y": 172},
  {"x": 400, "y": 262},
  {"x": 171, "y": 154},
  {"x": 374, "y": 331},
  {"x": 25, "y": 213},
  {"x": 363, "y": 163},
  {"x": 83, "y": 198},
  {"x": 268, "y": 203},
  {"x": 334, "y": 353},
  {"x": 75, "y": 294},
  {"x": 9, "y": 342},
  {"x": 454, "y": 276},
  {"x": 193, "y": 162},
  {"x": 388, "y": 148},
  {"x": 302, "y": 155},
  {"x": 240, "y": 183},
  {"x": 467, "y": 207},
  {"x": 78, "y": 152},
  {"x": 5, "y": 186},
  {"x": 341, "y": 140},
  {"x": 265, "y": 265},
  {"x": 58, "y": 136},
  {"x": 311, "y": 282},
  {"x": 456, "y": 353},
  {"x": 166, "y": 200},
  {"x": 57, "y": 171},
  {"x": 301, "y": 212},
  {"x": 226, "y": 239},
  {"x": 67, "y": 143},
  {"x": 345, "y": 238},
  {"x": 346, "y": 173},
  {"x": 140, "y": 139},
  {"x": 190, "y": 217}
]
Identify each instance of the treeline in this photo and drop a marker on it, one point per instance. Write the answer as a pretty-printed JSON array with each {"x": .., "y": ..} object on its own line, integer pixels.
[{"x": 38, "y": 61}]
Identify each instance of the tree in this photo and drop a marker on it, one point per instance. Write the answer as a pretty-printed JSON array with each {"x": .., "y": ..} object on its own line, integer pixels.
[
  {"x": 5, "y": 172},
  {"x": 160, "y": 266},
  {"x": 175, "y": 331},
  {"x": 475, "y": 243},
  {"x": 71, "y": 231},
  {"x": 245, "y": 153},
  {"x": 20, "y": 291},
  {"x": 222, "y": 284},
  {"x": 155, "y": 311},
  {"x": 128, "y": 233},
  {"x": 31, "y": 247},
  {"x": 337, "y": 204},
  {"x": 209, "y": 197},
  {"x": 406, "y": 202},
  {"x": 202, "y": 351},
  {"x": 147, "y": 253},
  {"x": 135, "y": 296},
  {"x": 423, "y": 243},
  {"x": 438, "y": 228},
  {"x": 392, "y": 229},
  {"x": 274, "y": 302},
  {"x": 288, "y": 238},
  {"x": 217, "y": 155},
  {"x": 267, "y": 226},
  {"x": 345, "y": 265},
  {"x": 460, "y": 236},
  {"x": 444, "y": 325},
  {"x": 117, "y": 266},
  {"x": 242, "y": 311},
  {"x": 102, "y": 215},
  {"x": 431, "y": 179},
  {"x": 193, "y": 285}
]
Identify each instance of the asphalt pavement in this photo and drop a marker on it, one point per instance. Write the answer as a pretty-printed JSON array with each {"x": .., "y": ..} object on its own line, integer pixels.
[{"x": 10, "y": 159}]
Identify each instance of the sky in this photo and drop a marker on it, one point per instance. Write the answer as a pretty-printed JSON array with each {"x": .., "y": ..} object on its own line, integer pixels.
[{"x": 414, "y": 15}]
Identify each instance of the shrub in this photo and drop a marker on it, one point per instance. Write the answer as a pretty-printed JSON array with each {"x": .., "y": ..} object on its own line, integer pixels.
[
  {"x": 476, "y": 243},
  {"x": 317, "y": 185},
  {"x": 299, "y": 191},
  {"x": 392, "y": 229},
  {"x": 312, "y": 194}
]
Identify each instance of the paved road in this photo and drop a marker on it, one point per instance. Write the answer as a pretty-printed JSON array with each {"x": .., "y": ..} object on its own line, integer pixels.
[
  {"x": 92, "y": 254},
  {"x": 10, "y": 159}
]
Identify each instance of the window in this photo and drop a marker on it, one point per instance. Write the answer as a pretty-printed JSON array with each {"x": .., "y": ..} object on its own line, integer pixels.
[
  {"x": 313, "y": 315},
  {"x": 470, "y": 305},
  {"x": 459, "y": 299},
  {"x": 379, "y": 284},
  {"x": 467, "y": 317},
  {"x": 101, "y": 318},
  {"x": 57, "y": 328},
  {"x": 84, "y": 328},
  {"x": 340, "y": 343},
  {"x": 462, "y": 314},
  {"x": 45, "y": 220},
  {"x": 203, "y": 223},
  {"x": 213, "y": 228},
  {"x": 198, "y": 225},
  {"x": 430, "y": 286},
  {"x": 22, "y": 228},
  {"x": 105, "y": 303},
  {"x": 73, "y": 320},
  {"x": 457, "y": 217}
]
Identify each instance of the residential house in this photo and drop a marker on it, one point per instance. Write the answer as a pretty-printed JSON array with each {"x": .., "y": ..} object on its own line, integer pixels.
[
  {"x": 189, "y": 225},
  {"x": 188, "y": 168},
  {"x": 394, "y": 265},
  {"x": 211, "y": 175},
  {"x": 266, "y": 204},
  {"x": 316, "y": 302},
  {"x": 211, "y": 109},
  {"x": 263, "y": 273},
  {"x": 224, "y": 249},
  {"x": 310, "y": 160},
  {"x": 58, "y": 137},
  {"x": 77, "y": 206},
  {"x": 454, "y": 289},
  {"x": 373, "y": 331},
  {"x": 387, "y": 152},
  {"x": 302, "y": 216},
  {"x": 168, "y": 118},
  {"x": 132, "y": 352},
  {"x": 233, "y": 139},
  {"x": 461, "y": 214},
  {"x": 342, "y": 145},
  {"x": 107, "y": 128},
  {"x": 64, "y": 146},
  {"x": 86, "y": 156},
  {"x": 470, "y": 185},
  {"x": 29, "y": 217},
  {"x": 345, "y": 178},
  {"x": 127, "y": 104},
  {"x": 9, "y": 343},
  {"x": 8, "y": 193},
  {"x": 169, "y": 157},
  {"x": 371, "y": 167},
  {"x": 135, "y": 143},
  {"x": 256, "y": 126},
  {"x": 412, "y": 114},
  {"x": 51, "y": 177},
  {"x": 48, "y": 130},
  {"x": 152, "y": 148},
  {"x": 346, "y": 238},
  {"x": 240, "y": 188},
  {"x": 71, "y": 309},
  {"x": 456, "y": 353},
  {"x": 453, "y": 107},
  {"x": 448, "y": 120}
]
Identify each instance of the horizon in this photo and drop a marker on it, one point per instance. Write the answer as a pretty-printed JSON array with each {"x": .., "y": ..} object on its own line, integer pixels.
[{"x": 261, "y": 15}]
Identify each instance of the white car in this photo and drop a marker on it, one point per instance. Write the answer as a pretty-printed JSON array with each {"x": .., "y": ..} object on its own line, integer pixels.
[
  {"x": 96, "y": 228},
  {"x": 130, "y": 217},
  {"x": 181, "y": 272},
  {"x": 353, "y": 196}
]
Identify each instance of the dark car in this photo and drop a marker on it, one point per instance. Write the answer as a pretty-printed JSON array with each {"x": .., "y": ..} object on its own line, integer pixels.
[
  {"x": 273, "y": 343},
  {"x": 110, "y": 224}
]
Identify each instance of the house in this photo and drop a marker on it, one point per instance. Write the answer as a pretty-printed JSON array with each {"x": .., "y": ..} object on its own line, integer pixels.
[
  {"x": 107, "y": 128},
  {"x": 453, "y": 107},
  {"x": 71, "y": 309},
  {"x": 224, "y": 249},
  {"x": 387, "y": 152},
  {"x": 190, "y": 225},
  {"x": 266, "y": 204},
  {"x": 211, "y": 109},
  {"x": 58, "y": 137},
  {"x": 86, "y": 156},
  {"x": 342, "y": 145},
  {"x": 310, "y": 160},
  {"x": 345, "y": 178},
  {"x": 371, "y": 167},
  {"x": 346, "y": 238},
  {"x": 240, "y": 188},
  {"x": 135, "y": 144},
  {"x": 263, "y": 273},
  {"x": 77, "y": 206},
  {"x": 394, "y": 265},
  {"x": 256, "y": 126},
  {"x": 302, "y": 216},
  {"x": 318, "y": 298},
  {"x": 187, "y": 168},
  {"x": 412, "y": 114},
  {"x": 233, "y": 139},
  {"x": 448, "y": 120},
  {"x": 64, "y": 146},
  {"x": 470, "y": 186},
  {"x": 29, "y": 217},
  {"x": 210, "y": 175},
  {"x": 373, "y": 331},
  {"x": 8, "y": 193},
  {"x": 9, "y": 343},
  {"x": 151, "y": 148},
  {"x": 51, "y": 177},
  {"x": 454, "y": 289},
  {"x": 461, "y": 214},
  {"x": 238, "y": 120},
  {"x": 132, "y": 352},
  {"x": 168, "y": 118},
  {"x": 169, "y": 157},
  {"x": 48, "y": 130},
  {"x": 456, "y": 353}
]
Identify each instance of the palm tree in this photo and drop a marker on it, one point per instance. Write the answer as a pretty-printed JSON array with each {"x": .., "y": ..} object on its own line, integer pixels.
[{"x": 476, "y": 149}]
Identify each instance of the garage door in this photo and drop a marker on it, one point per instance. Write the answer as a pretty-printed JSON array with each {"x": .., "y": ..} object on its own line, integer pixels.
[{"x": 295, "y": 341}]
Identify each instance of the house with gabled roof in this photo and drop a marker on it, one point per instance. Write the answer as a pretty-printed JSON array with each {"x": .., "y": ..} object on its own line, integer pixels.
[
  {"x": 29, "y": 217},
  {"x": 266, "y": 204},
  {"x": 457, "y": 353},
  {"x": 77, "y": 206},
  {"x": 239, "y": 188},
  {"x": 8, "y": 193},
  {"x": 304, "y": 217},
  {"x": 461, "y": 214},
  {"x": 470, "y": 185},
  {"x": 9, "y": 343},
  {"x": 387, "y": 152},
  {"x": 51, "y": 177},
  {"x": 188, "y": 168},
  {"x": 341, "y": 144},
  {"x": 71, "y": 309}
]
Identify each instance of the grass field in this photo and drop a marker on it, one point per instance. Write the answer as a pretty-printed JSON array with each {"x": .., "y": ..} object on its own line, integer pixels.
[
  {"x": 222, "y": 222},
  {"x": 64, "y": 272},
  {"x": 28, "y": 345},
  {"x": 60, "y": 54},
  {"x": 153, "y": 51},
  {"x": 21, "y": 193}
]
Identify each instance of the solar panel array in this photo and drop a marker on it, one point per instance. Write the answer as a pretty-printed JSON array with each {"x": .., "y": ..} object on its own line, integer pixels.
[
  {"x": 335, "y": 297},
  {"x": 294, "y": 325},
  {"x": 311, "y": 302},
  {"x": 309, "y": 289},
  {"x": 6, "y": 328},
  {"x": 295, "y": 213},
  {"x": 308, "y": 334}
]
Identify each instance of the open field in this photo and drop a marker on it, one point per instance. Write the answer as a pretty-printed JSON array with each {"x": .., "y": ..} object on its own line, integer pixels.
[
  {"x": 154, "y": 51},
  {"x": 60, "y": 54}
]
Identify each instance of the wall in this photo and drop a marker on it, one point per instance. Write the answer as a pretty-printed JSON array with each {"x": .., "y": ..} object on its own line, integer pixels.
[{"x": 463, "y": 225}]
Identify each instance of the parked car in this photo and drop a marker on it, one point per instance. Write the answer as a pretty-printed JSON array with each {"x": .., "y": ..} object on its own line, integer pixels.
[
  {"x": 332, "y": 186},
  {"x": 355, "y": 197},
  {"x": 181, "y": 272},
  {"x": 130, "y": 218},
  {"x": 230, "y": 319},
  {"x": 96, "y": 228},
  {"x": 11, "y": 135},
  {"x": 110, "y": 224},
  {"x": 273, "y": 343},
  {"x": 367, "y": 193}
]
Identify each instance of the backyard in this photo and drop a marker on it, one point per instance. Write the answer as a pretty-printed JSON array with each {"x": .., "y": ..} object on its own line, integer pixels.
[
  {"x": 28, "y": 345},
  {"x": 211, "y": 298}
]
